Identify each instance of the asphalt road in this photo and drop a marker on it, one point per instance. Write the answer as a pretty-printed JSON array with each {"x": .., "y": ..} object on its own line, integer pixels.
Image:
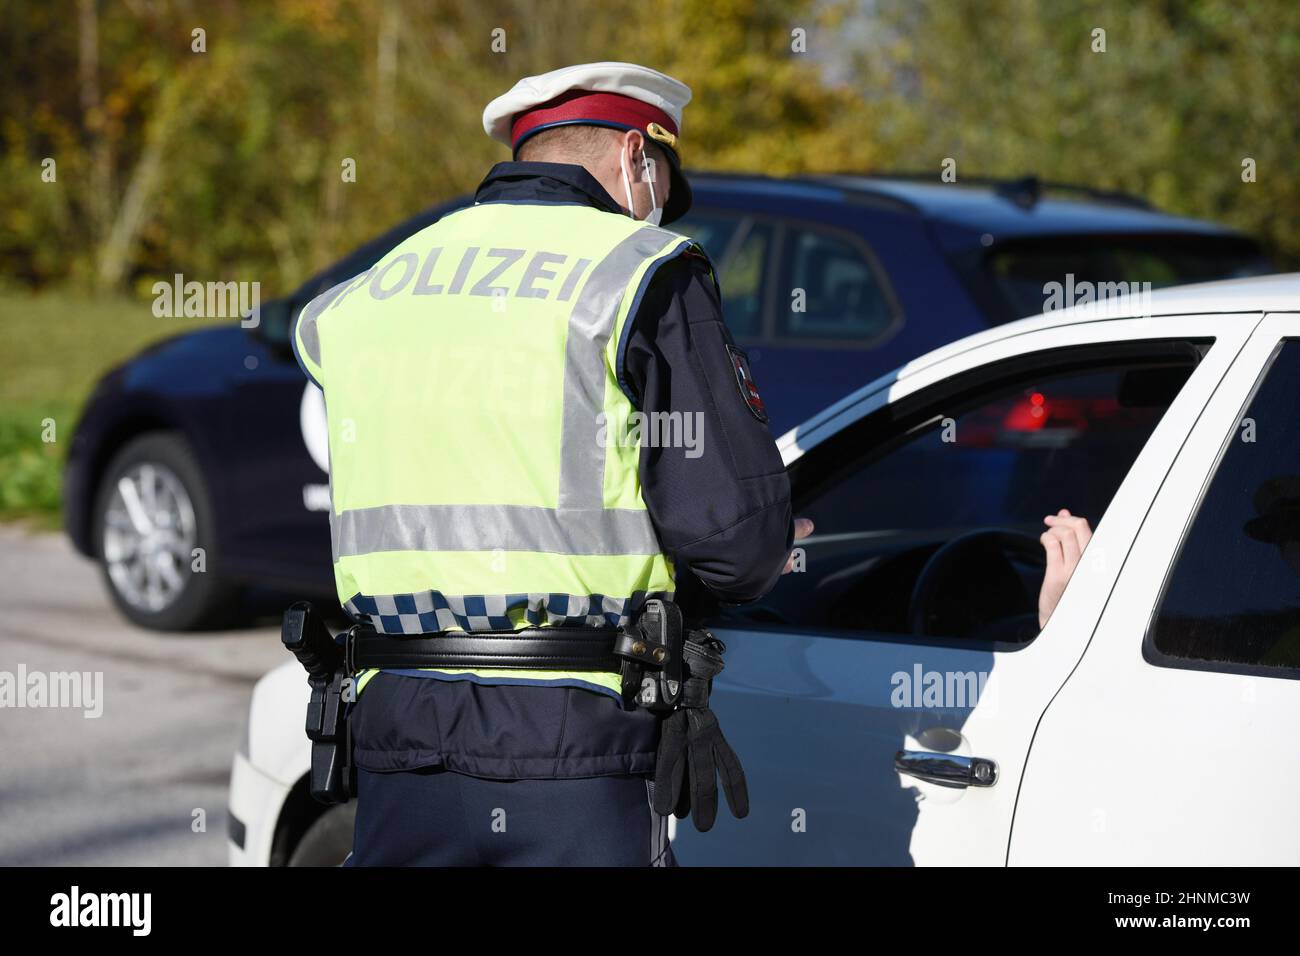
[{"x": 122, "y": 788}]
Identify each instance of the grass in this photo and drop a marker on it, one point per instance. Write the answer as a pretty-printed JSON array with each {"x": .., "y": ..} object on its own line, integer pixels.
[{"x": 54, "y": 347}]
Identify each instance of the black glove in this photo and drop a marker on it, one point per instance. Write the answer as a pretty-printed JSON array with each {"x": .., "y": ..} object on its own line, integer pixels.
[
  {"x": 683, "y": 808},
  {"x": 691, "y": 739}
]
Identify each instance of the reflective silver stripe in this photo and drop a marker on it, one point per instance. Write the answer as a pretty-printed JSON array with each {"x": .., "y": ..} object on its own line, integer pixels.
[
  {"x": 310, "y": 313},
  {"x": 658, "y": 829},
  {"x": 582, "y": 455},
  {"x": 489, "y": 527},
  {"x": 581, "y": 525}
]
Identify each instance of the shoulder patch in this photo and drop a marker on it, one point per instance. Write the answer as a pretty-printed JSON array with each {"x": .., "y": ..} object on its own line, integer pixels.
[{"x": 745, "y": 382}]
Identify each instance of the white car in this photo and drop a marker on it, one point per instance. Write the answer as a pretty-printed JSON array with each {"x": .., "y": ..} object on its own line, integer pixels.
[{"x": 894, "y": 701}]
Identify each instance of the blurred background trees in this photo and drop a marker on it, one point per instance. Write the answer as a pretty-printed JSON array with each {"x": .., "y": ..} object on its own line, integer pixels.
[
  {"x": 226, "y": 164},
  {"x": 142, "y": 138}
]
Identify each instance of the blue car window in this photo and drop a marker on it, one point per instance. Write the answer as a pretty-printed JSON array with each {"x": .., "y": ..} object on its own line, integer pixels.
[
  {"x": 739, "y": 248},
  {"x": 829, "y": 290},
  {"x": 274, "y": 321},
  {"x": 742, "y": 282},
  {"x": 711, "y": 230},
  {"x": 1232, "y": 602}
]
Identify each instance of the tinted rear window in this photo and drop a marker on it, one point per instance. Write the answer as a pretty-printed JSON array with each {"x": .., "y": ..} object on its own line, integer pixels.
[
  {"x": 1012, "y": 280},
  {"x": 1233, "y": 600}
]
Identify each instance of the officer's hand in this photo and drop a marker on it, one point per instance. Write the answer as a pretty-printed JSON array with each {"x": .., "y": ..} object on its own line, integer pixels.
[
  {"x": 1064, "y": 540},
  {"x": 803, "y": 527}
]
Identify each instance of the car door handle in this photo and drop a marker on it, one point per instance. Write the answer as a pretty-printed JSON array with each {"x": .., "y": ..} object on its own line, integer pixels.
[{"x": 946, "y": 770}]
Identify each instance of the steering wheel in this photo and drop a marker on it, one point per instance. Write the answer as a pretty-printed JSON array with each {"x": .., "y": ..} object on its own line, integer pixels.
[{"x": 970, "y": 583}]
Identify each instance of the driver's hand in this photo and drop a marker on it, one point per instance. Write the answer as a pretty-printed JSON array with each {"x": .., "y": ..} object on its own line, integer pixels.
[
  {"x": 802, "y": 528},
  {"x": 1064, "y": 540}
]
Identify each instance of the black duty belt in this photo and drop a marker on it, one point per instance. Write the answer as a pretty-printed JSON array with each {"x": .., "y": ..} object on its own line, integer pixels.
[
  {"x": 663, "y": 667},
  {"x": 534, "y": 648}
]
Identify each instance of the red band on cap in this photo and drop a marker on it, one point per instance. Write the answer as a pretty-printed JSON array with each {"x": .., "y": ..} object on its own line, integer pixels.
[{"x": 586, "y": 106}]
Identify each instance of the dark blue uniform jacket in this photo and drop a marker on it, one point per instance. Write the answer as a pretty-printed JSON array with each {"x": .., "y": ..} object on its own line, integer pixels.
[{"x": 722, "y": 512}]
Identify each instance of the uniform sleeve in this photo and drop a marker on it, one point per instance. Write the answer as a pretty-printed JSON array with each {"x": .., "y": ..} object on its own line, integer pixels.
[{"x": 721, "y": 508}]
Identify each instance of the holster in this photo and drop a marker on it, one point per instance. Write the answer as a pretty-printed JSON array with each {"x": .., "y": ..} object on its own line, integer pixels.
[
  {"x": 304, "y": 634},
  {"x": 669, "y": 670},
  {"x": 666, "y": 666}
]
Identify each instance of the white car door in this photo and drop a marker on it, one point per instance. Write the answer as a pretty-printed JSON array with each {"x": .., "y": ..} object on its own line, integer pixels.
[
  {"x": 1172, "y": 742},
  {"x": 819, "y": 700}
]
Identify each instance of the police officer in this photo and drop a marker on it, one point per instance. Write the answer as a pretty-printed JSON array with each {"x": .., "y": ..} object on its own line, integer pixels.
[{"x": 538, "y": 424}]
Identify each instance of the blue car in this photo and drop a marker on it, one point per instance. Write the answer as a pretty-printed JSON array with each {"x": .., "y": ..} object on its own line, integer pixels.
[{"x": 198, "y": 467}]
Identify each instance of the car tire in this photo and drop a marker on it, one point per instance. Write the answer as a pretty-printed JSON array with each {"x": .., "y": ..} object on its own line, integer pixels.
[
  {"x": 328, "y": 841},
  {"x": 145, "y": 545}
]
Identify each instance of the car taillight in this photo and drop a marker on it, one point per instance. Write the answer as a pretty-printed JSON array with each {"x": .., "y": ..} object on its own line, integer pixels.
[{"x": 1029, "y": 414}]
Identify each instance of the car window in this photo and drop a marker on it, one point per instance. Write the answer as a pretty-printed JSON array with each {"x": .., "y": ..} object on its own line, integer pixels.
[
  {"x": 273, "y": 321},
  {"x": 742, "y": 282},
  {"x": 998, "y": 459},
  {"x": 713, "y": 231},
  {"x": 739, "y": 248},
  {"x": 834, "y": 292},
  {"x": 1063, "y": 442},
  {"x": 1012, "y": 280},
  {"x": 1232, "y": 601}
]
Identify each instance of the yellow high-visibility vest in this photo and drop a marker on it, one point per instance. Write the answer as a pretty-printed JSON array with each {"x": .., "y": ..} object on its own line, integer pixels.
[{"x": 481, "y": 472}]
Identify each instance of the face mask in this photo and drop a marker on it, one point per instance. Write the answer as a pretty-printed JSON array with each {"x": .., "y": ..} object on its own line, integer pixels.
[{"x": 647, "y": 176}]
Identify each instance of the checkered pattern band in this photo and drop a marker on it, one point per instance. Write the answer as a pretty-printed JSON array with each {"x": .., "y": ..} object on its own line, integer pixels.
[{"x": 432, "y": 611}]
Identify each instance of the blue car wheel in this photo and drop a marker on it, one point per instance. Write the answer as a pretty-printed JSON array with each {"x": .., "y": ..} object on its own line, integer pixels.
[{"x": 154, "y": 537}]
